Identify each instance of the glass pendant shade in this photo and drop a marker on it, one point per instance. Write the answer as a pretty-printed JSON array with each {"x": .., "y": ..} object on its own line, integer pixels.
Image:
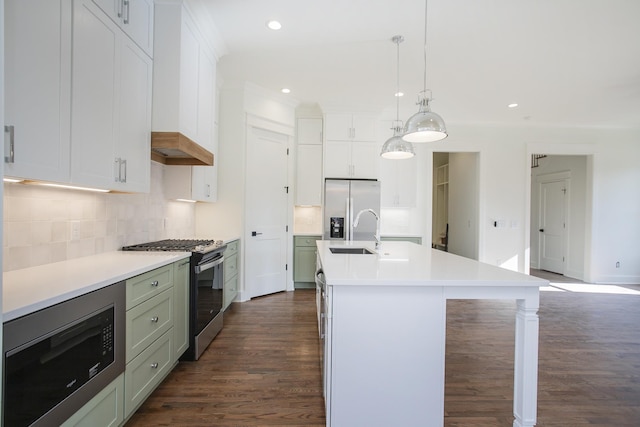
[{"x": 424, "y": 126}]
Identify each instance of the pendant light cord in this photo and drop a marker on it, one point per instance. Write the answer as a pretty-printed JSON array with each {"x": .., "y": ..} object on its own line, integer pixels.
[
  {"x": 398, "y": 41},
  {"x": 425, "y": 47}
]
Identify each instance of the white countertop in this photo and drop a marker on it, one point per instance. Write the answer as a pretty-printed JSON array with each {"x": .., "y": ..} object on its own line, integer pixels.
[
  {"x": 31, "y": 289},
  {"x": 409, "y": 264}
]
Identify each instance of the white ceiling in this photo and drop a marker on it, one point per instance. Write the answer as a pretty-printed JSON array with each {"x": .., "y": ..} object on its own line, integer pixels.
[{"x": 565, "y": 62}]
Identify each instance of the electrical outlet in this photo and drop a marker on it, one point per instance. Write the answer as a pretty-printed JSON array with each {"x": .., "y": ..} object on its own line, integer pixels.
[{"x": 618, "y": 264}]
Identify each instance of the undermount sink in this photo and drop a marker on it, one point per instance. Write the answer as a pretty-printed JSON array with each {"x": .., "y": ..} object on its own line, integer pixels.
[{"x": 348, "y": 250}]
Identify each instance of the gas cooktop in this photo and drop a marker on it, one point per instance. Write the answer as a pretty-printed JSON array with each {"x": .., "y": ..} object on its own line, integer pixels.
[{"x": 183, "y": 245}]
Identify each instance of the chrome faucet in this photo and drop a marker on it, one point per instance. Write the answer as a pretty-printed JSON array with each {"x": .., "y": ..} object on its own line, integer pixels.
[{"x": 377, "y": 235}]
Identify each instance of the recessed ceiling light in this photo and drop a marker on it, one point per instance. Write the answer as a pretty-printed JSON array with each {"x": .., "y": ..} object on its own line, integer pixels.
[
  {"x": 285, "y": 90},
  {"x": 274, "y": 25},
  {"x": 513, "y": 105},
  {"x": 399, "y": 94}
]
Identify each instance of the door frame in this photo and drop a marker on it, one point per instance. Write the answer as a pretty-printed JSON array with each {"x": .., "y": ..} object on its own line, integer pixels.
[
  {"x": 253, "y": 121},
  {"x": 560, "y": 149}
]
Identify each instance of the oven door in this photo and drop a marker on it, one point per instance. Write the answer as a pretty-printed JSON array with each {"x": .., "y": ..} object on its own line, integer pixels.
[{"x": 209, "y": 287}]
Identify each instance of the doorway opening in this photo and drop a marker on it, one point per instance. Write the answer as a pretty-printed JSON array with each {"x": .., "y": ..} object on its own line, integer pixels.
[
  {"x": 560, "y": 214},
  {"x": 455, "y": 203}
]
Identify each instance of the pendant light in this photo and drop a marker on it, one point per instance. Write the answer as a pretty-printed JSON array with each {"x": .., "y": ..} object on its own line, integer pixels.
[
  {"x": 396, "y": 147},
  {"x": 425, "y": 125}
]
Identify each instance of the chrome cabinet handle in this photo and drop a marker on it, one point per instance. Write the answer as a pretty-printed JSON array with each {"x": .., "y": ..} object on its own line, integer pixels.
[
  {"x": 120, "y": 6},
  {"x": 154, "y": 319},
  {"x": 12, "y": 155},
  {"x": 154, "y": 365},
  {"x": 126, "y": 5},
  {"x": 123, "y": 163},
  {"x": 154, "y": 283}
]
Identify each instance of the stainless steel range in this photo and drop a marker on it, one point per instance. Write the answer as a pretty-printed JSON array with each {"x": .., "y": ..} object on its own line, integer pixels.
[{"x": 206, "y": 280}]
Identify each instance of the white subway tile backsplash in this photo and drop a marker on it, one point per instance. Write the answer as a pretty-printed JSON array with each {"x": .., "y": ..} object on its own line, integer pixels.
[{"x": 38, "y": 221}]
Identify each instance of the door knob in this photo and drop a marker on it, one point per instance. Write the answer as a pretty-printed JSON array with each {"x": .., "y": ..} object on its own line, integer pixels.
[
  {"x": 255, "y": 233},
  {"x": 541, "y": 230}
]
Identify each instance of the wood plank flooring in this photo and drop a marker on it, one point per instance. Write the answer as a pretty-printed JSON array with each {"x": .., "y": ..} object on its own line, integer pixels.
[{"x": 263, "y": 368}]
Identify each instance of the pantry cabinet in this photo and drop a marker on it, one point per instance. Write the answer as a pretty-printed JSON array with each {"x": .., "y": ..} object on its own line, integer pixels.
[
  {"x": 37, "y": 93},
  {"x": 111, "y": 105},
  {"x": 134, "y": 17},
  {"x": 309, "y": 161}
]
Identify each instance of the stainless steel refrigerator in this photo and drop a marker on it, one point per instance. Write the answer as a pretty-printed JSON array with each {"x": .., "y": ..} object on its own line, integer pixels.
[{"x": 343, "y": 199}]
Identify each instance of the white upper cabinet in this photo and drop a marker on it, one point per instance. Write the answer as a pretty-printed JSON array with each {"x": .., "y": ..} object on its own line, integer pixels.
[
  {"x": 351, "y": 127},
  {"x": 351, "y": 148},
  {"x": 111, "y": 105},
  {"x": 37, "y": 89},
  {"x": 134, "y": 17}
]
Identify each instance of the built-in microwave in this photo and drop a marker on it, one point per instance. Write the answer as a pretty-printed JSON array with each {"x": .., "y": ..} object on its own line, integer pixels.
[{"x": 57, "y": 359}]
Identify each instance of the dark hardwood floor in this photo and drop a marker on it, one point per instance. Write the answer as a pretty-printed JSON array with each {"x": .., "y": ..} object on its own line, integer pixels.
[{"x": 263, "y": 368}]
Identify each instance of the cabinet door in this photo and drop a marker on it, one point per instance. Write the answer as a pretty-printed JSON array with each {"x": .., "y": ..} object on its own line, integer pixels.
[
  {"x": 338, "y": 127},
  {"x": 181, "y": 308},
  {"x": 138, "y": 23},
  {"x": 134, "y": 17},
  {"x": 309, "y": 131},
  {"x": 337, "y": 159},
  {"x": 203, "y": 183},
  {"x": 94, "y": 102},
  {"x": 365, "y": 127},
  {"x": 399, "y": 186},
  {"x": 309, "y": 175},
  {"x": 304, "y": 266},
  {"x": 133, "y": 137},
  {"x": 365, "y": 158},
  {"x": 37, "y": 88},
  {"x": 105, "y": 409}
]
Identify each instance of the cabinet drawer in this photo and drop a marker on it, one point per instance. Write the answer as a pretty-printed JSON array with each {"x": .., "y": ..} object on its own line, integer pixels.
[
  {"x": 232, "y": 248},
  {"x": 230, "y": 266},
  {"x": 146, "y": 371},
  {"x": 230, "y": 290},
  {"x": 147, "y": 321},
  {"x": 146, "y": 285},
  {"x": 306, "y": 240}
]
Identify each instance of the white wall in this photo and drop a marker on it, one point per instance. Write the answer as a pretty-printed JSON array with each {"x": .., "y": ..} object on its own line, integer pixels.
[
  {"x": 463, "y": 204},
  {"x": 576, "y": 215},
  {"x": 38, "y": 221}
]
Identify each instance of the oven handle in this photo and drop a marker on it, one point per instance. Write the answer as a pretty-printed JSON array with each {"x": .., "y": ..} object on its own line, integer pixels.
[{"x": 204, "y": 267}]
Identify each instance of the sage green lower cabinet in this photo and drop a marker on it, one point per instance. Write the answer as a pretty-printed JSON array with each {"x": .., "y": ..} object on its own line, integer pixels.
[
  {"x": 231, "y": 267},
  {"x": 304, "y": 261},
  {"x": 106, "y": 409},
  {"x": 157, "y": 333},
  {"x": 412, "y": 239},
  {"x": 181, "y": 308}
]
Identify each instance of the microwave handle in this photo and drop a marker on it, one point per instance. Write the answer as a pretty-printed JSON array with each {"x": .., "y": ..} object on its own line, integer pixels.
[{"x": 209, "y": 265}]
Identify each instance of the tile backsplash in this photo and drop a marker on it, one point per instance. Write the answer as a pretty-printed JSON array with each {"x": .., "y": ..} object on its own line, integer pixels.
[{"x": 44, "y": 225}]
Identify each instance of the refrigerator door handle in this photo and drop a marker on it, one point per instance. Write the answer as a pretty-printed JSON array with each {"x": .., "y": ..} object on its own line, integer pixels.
[{"x": 349, "y": 218}]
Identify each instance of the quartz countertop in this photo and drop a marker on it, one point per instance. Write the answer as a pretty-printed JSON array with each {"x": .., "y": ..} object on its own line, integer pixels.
[
  {"x": 31, "y": 289},
  {"x": 409, "y": 264}
]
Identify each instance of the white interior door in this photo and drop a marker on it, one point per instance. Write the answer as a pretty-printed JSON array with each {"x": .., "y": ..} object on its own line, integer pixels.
[
  {"x": 552, "y": 225},
  {"x": 266, "y": 212}
]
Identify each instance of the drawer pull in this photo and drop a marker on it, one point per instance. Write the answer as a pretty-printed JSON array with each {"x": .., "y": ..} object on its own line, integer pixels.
[
  {"x": 154, "y": 365},
  {"x": 154, "y": 319},
  {"x": 155, "y": 283}
]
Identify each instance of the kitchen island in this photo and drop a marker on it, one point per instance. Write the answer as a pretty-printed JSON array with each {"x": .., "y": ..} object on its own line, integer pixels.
[{"x": 382, "y": 320}]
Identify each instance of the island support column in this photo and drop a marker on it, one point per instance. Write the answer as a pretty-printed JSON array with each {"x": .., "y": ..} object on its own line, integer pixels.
[{"x": 525, "y": 391}]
